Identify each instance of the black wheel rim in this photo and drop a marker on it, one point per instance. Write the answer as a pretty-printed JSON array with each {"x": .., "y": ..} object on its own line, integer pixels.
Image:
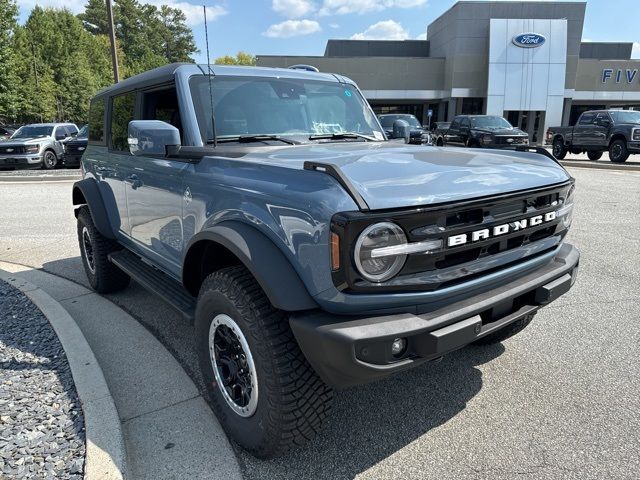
[
  {"x": 233, "y": 365},
  {"x": 557, "y": 149},
  {"x": 87, "y": 249},
  {"x": 616, "y": 151}
]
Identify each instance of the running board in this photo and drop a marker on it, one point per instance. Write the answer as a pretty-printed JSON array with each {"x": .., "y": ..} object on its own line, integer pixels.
[{"x": 158, "y": 283}]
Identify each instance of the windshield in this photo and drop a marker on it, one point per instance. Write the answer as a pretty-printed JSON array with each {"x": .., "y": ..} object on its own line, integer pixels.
[
  {"x": 388, "y": 120},
  {"x": 627, "y": 116},
  {"x": 83, "y": 132},
  {"x": 489, "y": 121},
  {"x": 33, "y": 131},
  {"x": 286, "y": 107}
]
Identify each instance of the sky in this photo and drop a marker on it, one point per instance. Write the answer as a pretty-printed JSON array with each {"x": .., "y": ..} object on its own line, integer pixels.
[{"x": 302, "y": 27}]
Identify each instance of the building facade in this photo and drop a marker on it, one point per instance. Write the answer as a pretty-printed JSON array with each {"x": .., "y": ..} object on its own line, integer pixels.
[{"x": 522, "y": 60}]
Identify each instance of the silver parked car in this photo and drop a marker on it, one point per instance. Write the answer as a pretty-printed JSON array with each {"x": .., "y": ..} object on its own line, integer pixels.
[{"x": 36, "y": 145}]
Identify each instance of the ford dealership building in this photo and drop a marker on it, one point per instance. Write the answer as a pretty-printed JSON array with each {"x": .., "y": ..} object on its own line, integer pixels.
[{"x": 522, "y": 60}]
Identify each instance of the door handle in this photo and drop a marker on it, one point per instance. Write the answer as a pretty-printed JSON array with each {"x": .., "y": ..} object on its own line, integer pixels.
[{"x": 134, "y": 181}]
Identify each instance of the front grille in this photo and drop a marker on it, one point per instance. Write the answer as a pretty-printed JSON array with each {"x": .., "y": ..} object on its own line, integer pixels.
[
  {"x": 451, "y": 265},
  {"x": 514, "y": 140},
  {"x": 73, "y": 147},
  {"x": 10, "y": 150}
]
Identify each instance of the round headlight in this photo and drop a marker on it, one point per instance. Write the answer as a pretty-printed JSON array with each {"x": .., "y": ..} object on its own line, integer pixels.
[{"x": 378, "y": 268}]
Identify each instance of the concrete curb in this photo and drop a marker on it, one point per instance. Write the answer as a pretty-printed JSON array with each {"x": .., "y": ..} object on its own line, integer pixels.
[
  {"x": 105, "y": 450},
  {"x": 600, "y": 166},
  {"x": 38, "y": 178}
]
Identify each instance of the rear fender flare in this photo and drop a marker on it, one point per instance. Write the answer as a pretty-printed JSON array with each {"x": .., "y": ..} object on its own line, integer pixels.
[{"x": 86, "y": 192}]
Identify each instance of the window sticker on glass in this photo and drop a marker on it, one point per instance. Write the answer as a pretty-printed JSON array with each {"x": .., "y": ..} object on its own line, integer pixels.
[
  {"x": 378, "y": 135},
  {"x": 347, "y": 93}
]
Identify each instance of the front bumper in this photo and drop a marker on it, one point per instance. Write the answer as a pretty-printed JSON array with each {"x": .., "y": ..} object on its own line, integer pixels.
[
  {"x": 633, "y": 147},
  {"x": 72, "y": 159},
  {"x": 26, "y": 160},
  {"x": 350, "y": 350}
]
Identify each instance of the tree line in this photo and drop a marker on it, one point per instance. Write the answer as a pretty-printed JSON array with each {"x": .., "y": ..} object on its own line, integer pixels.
[{"x": 53, "y": 64}]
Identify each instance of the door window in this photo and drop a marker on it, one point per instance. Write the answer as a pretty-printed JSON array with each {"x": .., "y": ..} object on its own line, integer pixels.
[
  {"x": 122, "y": 112},
  {"x": 162, "y": 105},
  {"x": 587, "y": 118},
  {"x": 455, "y": 124},
  {"x": 96, "y": 121}
]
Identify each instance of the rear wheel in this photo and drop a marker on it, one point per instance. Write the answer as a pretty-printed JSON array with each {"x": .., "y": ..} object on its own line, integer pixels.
[
  {"x": 49, "y": 160},
  {"x": 593, "y": 155},
  {"x": 103, "y": 276},
  {"x": 559, "y": 150},
  {"x": 262, "y": 389},
  {"x": 618, "y": 152},
  {"x": 506, "y": 332}
]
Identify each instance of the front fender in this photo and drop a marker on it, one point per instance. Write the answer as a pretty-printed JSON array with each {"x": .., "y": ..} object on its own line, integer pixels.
[
  {"x": 263, "y": 259},
  {"x": 87, "y": 192}
]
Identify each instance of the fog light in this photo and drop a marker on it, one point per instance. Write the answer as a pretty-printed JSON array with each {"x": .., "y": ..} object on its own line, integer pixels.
[{"x": 398, "y": 346}]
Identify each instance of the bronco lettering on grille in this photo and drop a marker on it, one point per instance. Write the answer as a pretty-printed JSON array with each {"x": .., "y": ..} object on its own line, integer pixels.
[{"x": 497, "y": 230}]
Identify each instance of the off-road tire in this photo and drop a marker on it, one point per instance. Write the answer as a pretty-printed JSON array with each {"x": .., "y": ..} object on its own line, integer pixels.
[
  {"x": 105, "y": 277},
  {"x": 506, "y": 332},
  {"x": 559, "y": 150},
  {"x": 593, "y": 155},
  {"x": 49, "y": 160},
  {"x": 293, "y": 403},
  {"x": 618, "y": 152}
]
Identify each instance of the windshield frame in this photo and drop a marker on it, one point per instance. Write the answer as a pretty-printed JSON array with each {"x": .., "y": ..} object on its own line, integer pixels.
[
  {"x": 504, "y": 122},
  {"x": 617, "y": 114},
  {"x": 17, "y": 134},
  {"x": 201, "y": 107}
]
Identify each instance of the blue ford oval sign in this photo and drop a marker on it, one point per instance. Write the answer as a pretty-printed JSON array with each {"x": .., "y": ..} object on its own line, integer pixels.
[{"x": 528, "y": 40}]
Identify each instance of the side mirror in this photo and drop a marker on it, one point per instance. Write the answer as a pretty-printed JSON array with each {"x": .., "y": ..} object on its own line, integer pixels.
[
  {"x": 603, "y": 122},
  {"x": 151, "y": 137},
  {"x": 401, "y": 129}
]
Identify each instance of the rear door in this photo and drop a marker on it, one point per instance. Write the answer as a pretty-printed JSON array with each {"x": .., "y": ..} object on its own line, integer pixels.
[
  {"x": 154, "y": 189},
  {"x": 584, "y": 131}
]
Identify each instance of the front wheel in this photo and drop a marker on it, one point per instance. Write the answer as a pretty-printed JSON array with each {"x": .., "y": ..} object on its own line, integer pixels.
[
  {"x": 593, "y": 155},
  {"x": 559, "y": 150},
  {"x": 49, "y": 160},
  {"x": 262, "y": 389},
  {"x": 618, "y": 152}
]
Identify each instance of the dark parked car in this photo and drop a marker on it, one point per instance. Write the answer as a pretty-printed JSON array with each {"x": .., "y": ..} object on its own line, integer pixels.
[
  {"x": 417, "y": 133},
  {"x": 6, "y": 132},
  {"x": 598, "y": 131},
  {"x": 437, "y": 131},
  {"x": 310, "y": 252},
  {"x": 485, "y": 131},
  {"x": 75, "y": 148}
]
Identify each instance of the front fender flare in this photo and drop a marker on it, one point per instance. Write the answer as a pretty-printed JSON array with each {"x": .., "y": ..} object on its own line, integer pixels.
[
  {"x": 86, "y": 192},
  {"x": 269, "y": 266}
]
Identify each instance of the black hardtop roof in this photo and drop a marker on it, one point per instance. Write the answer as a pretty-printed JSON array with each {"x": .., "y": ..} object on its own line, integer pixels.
[{"x": 166, "y": 73}]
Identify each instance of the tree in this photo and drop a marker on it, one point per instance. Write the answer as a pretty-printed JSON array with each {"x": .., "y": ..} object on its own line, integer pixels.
[
  {"x": 94, "y": 17},
  {"x": 177, "y": 38},
  {"x": 8, "y": 60},
  {"x": 241, "y": 58}
]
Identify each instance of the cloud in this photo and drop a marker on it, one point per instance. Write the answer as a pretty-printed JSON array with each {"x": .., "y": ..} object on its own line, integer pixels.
[
  {"x": 27, "y": 5},
  {"x": 635, "y": 50},
  {"x": 344, "y": 7},
  {"x": 192, "y": 12},
  {"x": 422, "y": 36},
  {"x": 385, "y": 30},
  {"x": 334, "y": 25},
  {"x": 292, "y": 28},
  {"x": 293, "y": 8}
]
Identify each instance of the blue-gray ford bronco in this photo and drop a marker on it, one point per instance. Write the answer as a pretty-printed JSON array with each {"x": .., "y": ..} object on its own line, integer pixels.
[{"x": 311, "y": 253}]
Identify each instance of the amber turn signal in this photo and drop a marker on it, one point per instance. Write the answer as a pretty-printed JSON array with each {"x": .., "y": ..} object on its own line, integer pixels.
[{"x": 335, "y": 252}]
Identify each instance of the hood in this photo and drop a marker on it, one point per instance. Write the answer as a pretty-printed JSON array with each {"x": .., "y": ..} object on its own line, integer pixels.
[
  {"x": 500, "y": 131},
  {"x": 24, "y": 141},
  {"x": 392, "y": 175}
]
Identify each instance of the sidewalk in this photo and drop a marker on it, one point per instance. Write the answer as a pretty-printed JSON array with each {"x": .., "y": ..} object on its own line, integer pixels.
[{"x": 169, "y": 430}]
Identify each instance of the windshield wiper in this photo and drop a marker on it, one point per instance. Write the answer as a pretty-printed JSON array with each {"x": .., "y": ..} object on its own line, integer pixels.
[
  {"x": 340, "y": 136},
  {"x": 255, "y": 138}
]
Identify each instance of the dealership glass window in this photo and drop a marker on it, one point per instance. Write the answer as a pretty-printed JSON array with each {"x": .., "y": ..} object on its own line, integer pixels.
[
  {"x": 96, "y": 121},
  {"x": 122, "y": 112},
  {"x": 472, "y": 106}
]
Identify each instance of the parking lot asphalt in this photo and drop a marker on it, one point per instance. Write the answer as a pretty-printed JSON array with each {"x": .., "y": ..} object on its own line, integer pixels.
[{"x": 560, "y": 400}]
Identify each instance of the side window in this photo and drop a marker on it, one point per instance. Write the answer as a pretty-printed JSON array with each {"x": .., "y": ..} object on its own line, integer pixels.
[
  {"x": 455, "y": 124},
  {"x": 72, "y": 130},
  {"x": 59, "y": 132},
  {"x": 122, "y": 111},
  {"x": 587, "y": 118},
  {"x": 465, "y": 123},
  {"x": 96, "y": 122},
  {"x": 162, "y": 105}
]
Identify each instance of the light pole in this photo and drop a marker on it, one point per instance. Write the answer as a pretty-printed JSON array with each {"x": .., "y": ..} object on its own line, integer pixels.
[{"x": 112, "y": 38}]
